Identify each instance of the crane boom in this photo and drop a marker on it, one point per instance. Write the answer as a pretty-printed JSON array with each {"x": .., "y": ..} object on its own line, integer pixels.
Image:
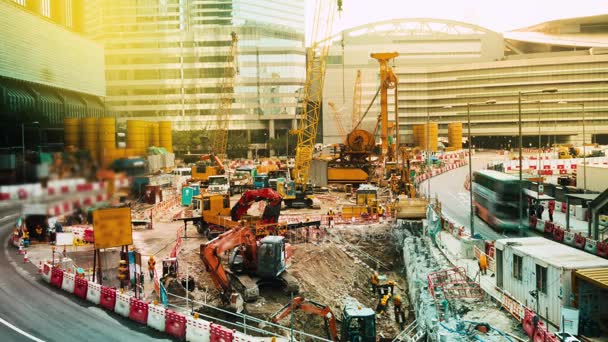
[
  {"x": 356, "y": 102},
  {"x": 337, "y": 120},
  {"x": 220, "y": 137},
  {"x": 313, "y": 88}
]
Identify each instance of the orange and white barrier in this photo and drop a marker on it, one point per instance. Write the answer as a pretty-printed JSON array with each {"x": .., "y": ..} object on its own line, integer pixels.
[
  {"x": 197, "y": 330},
  {"x": 156, "y": 317},
  {"x": 46, "y": 272}
]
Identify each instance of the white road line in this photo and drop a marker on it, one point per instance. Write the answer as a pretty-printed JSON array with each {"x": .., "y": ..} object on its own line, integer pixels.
[{"x": 33, "y": 338}]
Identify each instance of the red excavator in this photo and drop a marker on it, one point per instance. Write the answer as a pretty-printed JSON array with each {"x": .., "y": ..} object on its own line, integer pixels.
[
  {"x": 271, "y": 211},
  {"x": 358, "y": 323},
  {"x": 249, "y": 259}
]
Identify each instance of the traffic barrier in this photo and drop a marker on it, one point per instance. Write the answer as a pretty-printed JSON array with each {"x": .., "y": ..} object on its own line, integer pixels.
[
  {"x": 68, "y": 282},
  {"x": 579, "y": 241},
  {"x": 108, "y": 298},
  {"x": 602, "y": 249},
  {"x": 57, "y": 277},
  {"x": 156, "y": 317},
  {"x": 568, "y": 238},
  {"x": 558, "y": 234},
  {"x": 138, "y": 310},
  {"x": 123, "y": 305},
  {"x": 220, "y": 334},
  {"x": 540, "y": 332},
  {"x": 591, "y": 246},
  {"x": 548, "y": 229},
  {"x": 528, "y": 323},
  {"x": 80, "y": 287},
  {"x": 240, "y": 337},
  {"x": 46, "y": 272},
  {"x": 197, "y": 330},
  {"x": 175, "y": 324},
  {"x": 94, "y": 293}
]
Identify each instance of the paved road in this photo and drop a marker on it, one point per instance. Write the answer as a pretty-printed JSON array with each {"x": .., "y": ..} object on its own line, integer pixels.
[
  {"x": 31, "y": 306},
  {"x": 449, "y": 187}
]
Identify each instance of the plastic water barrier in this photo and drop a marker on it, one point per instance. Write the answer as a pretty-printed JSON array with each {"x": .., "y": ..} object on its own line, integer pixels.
[
  {"x": 68, "y": 282},
  {"x": 56, "y": 277},
  {"x": 138, "y": 311},
  {"x": 80, "y": 287},
  {"x": 123, "y": 305},
  {"x": 175, "y": 324},
  {"x": 198, "y": 330},
  {"x": 94, "y": 293},
  {"x": 156, "y": 317},
  {"x": 221, "y": 334},
  {"x": 108, "y": 298},
  {"x": 46, "y": 272}
]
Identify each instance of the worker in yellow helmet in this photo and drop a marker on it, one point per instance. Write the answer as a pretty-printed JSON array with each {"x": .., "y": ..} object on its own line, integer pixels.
[
  {"x": 375, "y": 279},
  {"x": 382, "y": 304},
  {"x": 151, "y": 266},
  {"x": 398, "y": 311}
]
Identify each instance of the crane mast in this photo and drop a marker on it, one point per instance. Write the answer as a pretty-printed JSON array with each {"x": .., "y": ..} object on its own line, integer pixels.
[
  {"x": 316, "y": 60},
  {"x": 356, "y": 102},
  {"x": 220, "y": 138}
]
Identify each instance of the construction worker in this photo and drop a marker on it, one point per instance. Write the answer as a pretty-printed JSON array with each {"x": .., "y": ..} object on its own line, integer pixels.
[
  {"x": 375, "y": 280},
  {"x": 151, "y": 266},
  {"x": 382, "y": 304},
  {"x": 483, "y": 264},
  {"x": 26, "y": 237},
  {"x": 39, "y": 233},
  {"x": 330, "y": 218},
  {"x": 398, "y": 311},
  {"x": 123, "y": 273},
  {"x": 388, "y": 287}
]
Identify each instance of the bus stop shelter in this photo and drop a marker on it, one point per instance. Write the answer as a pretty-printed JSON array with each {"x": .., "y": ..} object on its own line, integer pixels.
[{"x": 584, "y": 200}]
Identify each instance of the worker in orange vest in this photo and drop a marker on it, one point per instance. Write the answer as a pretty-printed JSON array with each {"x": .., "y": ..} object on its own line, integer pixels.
[
  {"x": 151, "y": 266},
  {"x": 483, "y": 264},
  {"x": 123, "y": 273}
]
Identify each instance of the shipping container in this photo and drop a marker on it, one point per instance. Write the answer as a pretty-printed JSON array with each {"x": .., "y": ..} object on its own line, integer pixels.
[{"x": 525, "y": 264}]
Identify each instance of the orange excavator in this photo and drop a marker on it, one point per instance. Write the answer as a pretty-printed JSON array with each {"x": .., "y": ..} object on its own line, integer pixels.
[
  {"x": 205, "y": 168},
  {"x": 249, "y": 262},
  {"x": 357, "y": 323}
]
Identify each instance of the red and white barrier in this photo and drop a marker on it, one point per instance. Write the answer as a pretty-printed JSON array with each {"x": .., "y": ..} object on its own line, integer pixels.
[
  {"x": 81, "y": 288},
  {"x": 68, "y": 282},
  {"x": 94, "y": 293},
  {"x": 220, "y": 334},
  {"x": 56, "y": 277},
  {"x": 138, "y": 310},
  {"x": 197, "y": 330},
  {"x": 175, "y": 324},
  {"x": 108, "y": 298},
  {"x": 46, "y": 272},
  {"x": 123, "y": 304},
  {"x": 156, "y": 317}
]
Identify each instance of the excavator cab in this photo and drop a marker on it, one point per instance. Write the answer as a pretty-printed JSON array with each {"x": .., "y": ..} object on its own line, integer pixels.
[
  {"x": 358, "y": 322},
  {"x": 271, "y": 257}
]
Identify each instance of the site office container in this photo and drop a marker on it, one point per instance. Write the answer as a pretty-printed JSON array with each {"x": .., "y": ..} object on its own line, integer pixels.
[{"x": 557, "y": 260}]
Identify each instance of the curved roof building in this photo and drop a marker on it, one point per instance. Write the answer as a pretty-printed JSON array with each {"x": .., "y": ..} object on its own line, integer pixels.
[{"x": 444, "y": 65}]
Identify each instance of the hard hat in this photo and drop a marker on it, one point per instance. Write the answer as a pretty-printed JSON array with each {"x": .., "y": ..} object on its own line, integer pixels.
[
  {"x": 123, "y": 262},
  {"x": 151, "y": 257}
]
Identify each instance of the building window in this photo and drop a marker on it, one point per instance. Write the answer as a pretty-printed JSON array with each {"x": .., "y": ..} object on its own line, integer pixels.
[
  {"x": 517, "y": 266},
  {"x": 541, "y": 279}
]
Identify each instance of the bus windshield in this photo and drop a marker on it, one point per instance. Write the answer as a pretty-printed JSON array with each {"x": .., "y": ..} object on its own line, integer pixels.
[{"x": 217, "y": 181}]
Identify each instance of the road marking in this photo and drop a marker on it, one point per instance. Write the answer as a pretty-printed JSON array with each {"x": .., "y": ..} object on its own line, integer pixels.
[{"x": 33, "y": 338}]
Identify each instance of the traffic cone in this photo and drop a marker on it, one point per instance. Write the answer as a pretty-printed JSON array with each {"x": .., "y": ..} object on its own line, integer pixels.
[
  {"x": 25, "y": 258},
  {"x": 21, "y": 248},
  {"x": 39, "y": 267}
]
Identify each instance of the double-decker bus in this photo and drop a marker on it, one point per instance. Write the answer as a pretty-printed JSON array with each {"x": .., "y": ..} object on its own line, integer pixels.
[{"x": 496, "y": 196}]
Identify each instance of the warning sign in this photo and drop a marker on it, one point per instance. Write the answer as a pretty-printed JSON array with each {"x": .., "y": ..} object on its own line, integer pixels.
[{"x": 112, "y": 227}]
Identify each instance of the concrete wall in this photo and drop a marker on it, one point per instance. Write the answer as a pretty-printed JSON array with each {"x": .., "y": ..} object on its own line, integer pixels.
[
  {"x": 597, "y": 177},
  {"x": 35, "y": 49}
]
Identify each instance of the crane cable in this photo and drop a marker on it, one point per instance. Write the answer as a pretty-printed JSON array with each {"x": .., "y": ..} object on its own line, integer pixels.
[{"x": 368, "y": 107}]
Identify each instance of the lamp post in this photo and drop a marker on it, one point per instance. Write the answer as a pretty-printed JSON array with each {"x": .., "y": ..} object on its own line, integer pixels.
[
  {"x": 471, "y": 206},
  {"x": 521, "y": 198}
]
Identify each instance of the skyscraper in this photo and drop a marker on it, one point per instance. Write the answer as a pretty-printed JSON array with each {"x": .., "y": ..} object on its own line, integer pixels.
[{"x": 165, "y": 59}]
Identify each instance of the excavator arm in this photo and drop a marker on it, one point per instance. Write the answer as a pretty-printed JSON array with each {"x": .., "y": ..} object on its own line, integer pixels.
[
  {"x": 271, "y": 212},
  {"x": 211, "y": 251},
  {"x": 311, "y": 307}
]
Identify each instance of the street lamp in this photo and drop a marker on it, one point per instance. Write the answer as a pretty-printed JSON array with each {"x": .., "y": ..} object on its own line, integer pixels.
[
  {"x": 521, "y": 198},
  {"x": 471, "y": 206},
  {"x": 582, "y": 105}
]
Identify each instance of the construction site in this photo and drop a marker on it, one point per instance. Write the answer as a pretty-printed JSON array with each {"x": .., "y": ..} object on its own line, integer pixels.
[{"x": 392, "y": 232}]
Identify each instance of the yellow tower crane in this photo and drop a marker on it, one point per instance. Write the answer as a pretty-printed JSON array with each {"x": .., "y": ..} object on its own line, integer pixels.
[
  {"x": 337, "y": 119},
  {"x": 219, "y": 140},
  {"x": 299, "y": 195}
]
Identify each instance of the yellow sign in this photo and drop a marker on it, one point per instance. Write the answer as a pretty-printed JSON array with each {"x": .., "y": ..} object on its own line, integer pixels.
[{"x": 112, "y": 227}]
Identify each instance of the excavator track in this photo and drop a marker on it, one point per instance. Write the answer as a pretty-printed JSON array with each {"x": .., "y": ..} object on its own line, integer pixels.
[
  {"x": 290, "y": 283},
  {"x": 246, "y": 286}
]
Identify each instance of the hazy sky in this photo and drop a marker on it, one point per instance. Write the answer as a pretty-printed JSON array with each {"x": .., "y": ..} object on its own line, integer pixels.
[{"x": 497, "y": 15}]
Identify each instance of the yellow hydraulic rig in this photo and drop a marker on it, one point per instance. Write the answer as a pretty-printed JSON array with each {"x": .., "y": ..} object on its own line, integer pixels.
[
  {"x": 313, "y": 88},
  {"x": 388, "y": 80},
  {"x": 219, "y": 141}
]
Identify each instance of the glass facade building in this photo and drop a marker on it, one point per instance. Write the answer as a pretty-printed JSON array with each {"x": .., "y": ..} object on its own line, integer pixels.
[{"x": 165, "y": 60}]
